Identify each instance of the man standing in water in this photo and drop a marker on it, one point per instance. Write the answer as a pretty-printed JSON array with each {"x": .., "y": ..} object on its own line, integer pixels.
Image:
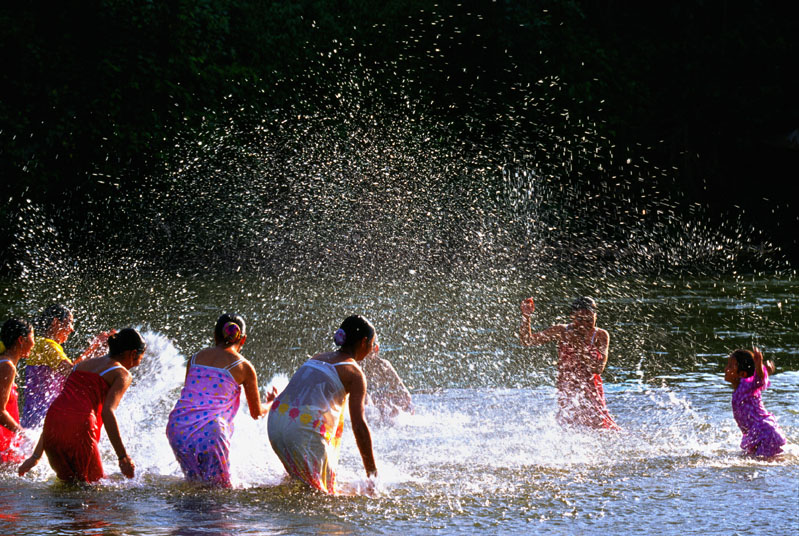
[{"x": 582, "y": 356}]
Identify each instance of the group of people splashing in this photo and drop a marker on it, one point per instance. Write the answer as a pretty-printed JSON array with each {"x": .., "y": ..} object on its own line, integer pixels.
[{"x": 305, "y": 421}]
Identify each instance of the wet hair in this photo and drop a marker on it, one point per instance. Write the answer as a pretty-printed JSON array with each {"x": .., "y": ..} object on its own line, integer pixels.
[
  {"x": 583, "y": 303},
  {"x": 230, "y": 328},
  {"x": 12, "y": 330},
  {"x": 745, "y": 360},
  {"x": 55, "y": 311},
  {"x": 125, "y": 340},
  {"x": 354, "y": 329}
]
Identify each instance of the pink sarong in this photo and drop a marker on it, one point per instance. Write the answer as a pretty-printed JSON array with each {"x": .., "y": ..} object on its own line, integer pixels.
[{"x": 201, "y": 424}]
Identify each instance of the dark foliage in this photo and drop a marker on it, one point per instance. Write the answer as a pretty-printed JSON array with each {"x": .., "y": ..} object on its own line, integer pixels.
[{"x": 94, "y": 93}]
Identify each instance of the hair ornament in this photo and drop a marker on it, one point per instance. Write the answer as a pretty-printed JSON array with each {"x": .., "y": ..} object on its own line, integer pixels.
[
  {"x": 231, "y": 332},
  {"x": 340, "y": 337}
]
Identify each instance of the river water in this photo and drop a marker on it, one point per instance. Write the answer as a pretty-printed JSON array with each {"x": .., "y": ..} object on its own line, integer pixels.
[{"x": 482, "y": 452}]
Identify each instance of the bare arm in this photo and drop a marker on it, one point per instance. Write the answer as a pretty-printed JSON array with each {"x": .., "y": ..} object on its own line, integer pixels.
[
  {"x": 117, "y": 390},
  {"x": 528, "y": 338},
  {"x": 396, "y": 391},
  {"x": 602, "y": 344},
  {"x": 34, "y": 458},
  {"x": 97, "y": 348},
  {"x": 360, "y": 428},
  {"x": 758, "y": 364},
  {"x": 252, "y": 394},
  {"x": 7, "y": 374}
]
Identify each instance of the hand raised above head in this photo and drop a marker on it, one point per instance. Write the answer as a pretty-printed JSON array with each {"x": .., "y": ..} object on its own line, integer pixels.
[{"x": 528, "y": 306}]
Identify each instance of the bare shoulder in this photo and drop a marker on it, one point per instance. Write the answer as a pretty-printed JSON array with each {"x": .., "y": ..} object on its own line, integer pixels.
[
  {"x": 327, "y": 357},
  {"x": 121, "y": 375},
  {"x": 380, "y": 364},
  {"x": 7, "y": 369}
]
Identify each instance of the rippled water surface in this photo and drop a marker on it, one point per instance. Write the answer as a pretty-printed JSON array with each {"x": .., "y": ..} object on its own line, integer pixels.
[{"x": 482, "y": 452}]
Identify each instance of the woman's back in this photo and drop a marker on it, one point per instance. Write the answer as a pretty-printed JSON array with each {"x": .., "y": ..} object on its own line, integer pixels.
[
  {"x": 223, "y": 359},
  {"x": 307, "y": 421},
  {"x": 316, "y": 383},
  {"x": 83, "y": 392}
]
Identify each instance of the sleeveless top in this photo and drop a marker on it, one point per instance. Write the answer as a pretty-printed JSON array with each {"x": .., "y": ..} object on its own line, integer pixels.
[
  {"x": 572, "y": 373},
  {"x": 208, "y": 393},
  {"x": 581, "y": 395},
  {"x": 315, "y": 397},
  {"x": 83, "y": 394}
]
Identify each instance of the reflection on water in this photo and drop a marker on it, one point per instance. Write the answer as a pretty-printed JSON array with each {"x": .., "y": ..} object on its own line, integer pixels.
[{"x": 482, "y": 453}]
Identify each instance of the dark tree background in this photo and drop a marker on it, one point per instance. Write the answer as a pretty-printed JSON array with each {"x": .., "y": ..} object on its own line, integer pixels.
[{"x": 704, "y": 89}]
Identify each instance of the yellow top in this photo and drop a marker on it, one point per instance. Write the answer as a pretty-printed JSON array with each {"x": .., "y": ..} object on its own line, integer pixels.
[{"x": 47, "y": 352}]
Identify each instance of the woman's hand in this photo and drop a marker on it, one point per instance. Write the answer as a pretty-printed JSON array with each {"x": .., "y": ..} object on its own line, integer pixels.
[
  {"x": 271, "y": 395},
  {"x": 27, "y": 465},
  {"x": 528, "y": 306},
  {"x": 127, "y": 466}
]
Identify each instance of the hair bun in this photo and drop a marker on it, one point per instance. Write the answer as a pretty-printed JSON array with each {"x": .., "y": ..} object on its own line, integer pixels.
[
  {"x": 340, "y": 337},
  {"x": 231, "y": 332}
]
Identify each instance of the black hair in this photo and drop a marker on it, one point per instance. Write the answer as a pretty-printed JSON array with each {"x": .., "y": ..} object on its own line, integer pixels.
[
  {"x": 356, "y": 329},
  {"x": 124, "y": 340},
  {"x": 225, "y": 330},
  {"x": 746, "y": 361},
  {"x": 584, "y": 302},
  {"x": 55, "y": 311},
  {"x": 12, "y": 330}
]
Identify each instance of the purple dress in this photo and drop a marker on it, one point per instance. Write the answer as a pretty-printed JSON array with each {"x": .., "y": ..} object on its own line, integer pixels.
[
  {"x": 762, "y": 434},
  {"x": 200, "y": 425}
]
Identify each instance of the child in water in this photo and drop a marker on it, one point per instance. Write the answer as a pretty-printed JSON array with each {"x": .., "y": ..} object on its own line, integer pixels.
[
  {"x": 582, "y": 356},
  {"x": 762, "y": 436}
]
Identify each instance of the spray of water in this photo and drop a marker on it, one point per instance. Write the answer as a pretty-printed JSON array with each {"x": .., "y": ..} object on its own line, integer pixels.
[{"x": 434, "y": 227}]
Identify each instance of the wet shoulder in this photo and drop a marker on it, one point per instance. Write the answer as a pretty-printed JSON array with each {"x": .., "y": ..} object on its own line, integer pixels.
[{"x": 7, "y": 368}]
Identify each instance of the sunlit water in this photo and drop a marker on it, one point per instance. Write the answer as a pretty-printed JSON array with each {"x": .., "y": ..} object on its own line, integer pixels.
[{"x": 482, "y": 453}]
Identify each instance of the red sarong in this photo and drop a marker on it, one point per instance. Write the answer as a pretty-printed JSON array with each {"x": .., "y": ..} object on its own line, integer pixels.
[
  {"x": 9, "y": 441},
  {"x": 72, "y": 428}
]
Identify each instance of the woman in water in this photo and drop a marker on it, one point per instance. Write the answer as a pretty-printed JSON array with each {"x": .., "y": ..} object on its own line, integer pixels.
[
  {"x": 387, "y": 392},
  {"x": 201, "y": 424},
  {"x": 307, "y": 418},
  {"x": 48, "y": 366},
  {"x": 747, "y": 374},
  {"x": 582, "y": 356},
  {"x": 17, "y": 337},
  {"x": 88, "y": 401}
]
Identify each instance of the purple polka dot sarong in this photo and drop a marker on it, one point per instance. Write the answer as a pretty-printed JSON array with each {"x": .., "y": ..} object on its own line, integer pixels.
[
  {"x": 201, "y": 424},
  {"x": 762, "y": 435}
]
